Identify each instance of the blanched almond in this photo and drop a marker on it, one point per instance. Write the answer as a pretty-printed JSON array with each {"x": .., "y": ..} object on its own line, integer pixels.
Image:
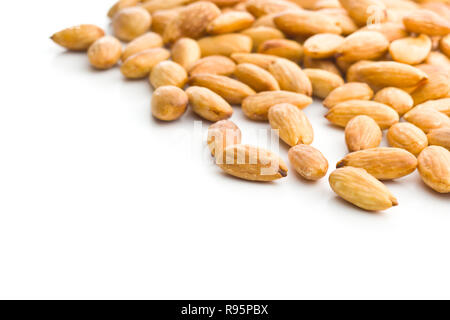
[
  {"x": 363, "y": 45},
  {"x": 261, "y": 34},
  {"x": 437, "y": 86},
  {"x": 230, "y": 22},
  {"x": 323, "y": 45},
  {"x": 261, "y": 60},
  {"x": 348, "y": 91},
  {"x": 168, "y": 73},
  {"x": 324, "y": 64},
  {"x": 309, "y": 162},
  {"x": 256, "y": 77},
  {"x": 105, "y": 52},
  {"x": 391, "y": 30},
  {"x": 362, "y": 132},
  {"x": 78, "y": 38},
  {"x": 260, "y": 8},
  {"x": 290, "y": 76},
  {"x": 169, "y": 103},
  {"x": 148, "y": 40},
  {"x": 427, "y": 22},
  {"x": 434, "y": 168},
  {"x": 162, "y": 18},
  {"x": 225, "y": 44},
  {"x": 155, "y": 5},
  {"x": 130, "y": 23},
  {"x": 323, "y": 82},
  {"x": 427, "y": 119},
  {"x": 395, "y": 98},
  {"x": 219, "y": 65},
  {"x": 140, "y": 64},
  {"x": 441, "y": 105},
  {"x": 440, "y": 137},
  {"x": 283, "y": 48},
  {"x": 407, "y": 136},
  {"x": 121, "y": 4},
  {"x": 222, "y": 134},
  {"x": 302, "y": 22},
  {"x": 412, "y": 50},
  {"x": 365, "y": 11},
  {"x": 208, "y": 104},
  {"x": 186, "y": 52}
]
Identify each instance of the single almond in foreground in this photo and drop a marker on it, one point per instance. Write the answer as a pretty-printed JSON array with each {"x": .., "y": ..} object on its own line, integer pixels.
[{"x": 309, "y": 162}]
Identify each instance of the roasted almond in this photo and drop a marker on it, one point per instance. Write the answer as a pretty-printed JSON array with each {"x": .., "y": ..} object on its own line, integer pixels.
[
  {"x": 427, "y": 22},
  {"x": 303, "y": 22},
  {"x": 348, "y": 91},
  {"x": 232, "y": 21},
  {"x": 444, "y": 45},
  {"x": 441, "y": 105},
  {"x": 140, "y": 64},
  {"x": 292, "y": 124},
  {"x": 208, "y": 104},
  {"x": 261, "y": 34},
  {"x": 169, "y": 103},
  {"x": 323, "y": 82},
  {"x": 395, "y": 98},
  {"x": 434, "y": 168},
  {"x": 168, "y": 73},
  {"x": 440, "y": 137},
  {"x": 363, "y": 45},
  {"x": 155, "y": 5},
  {"x": 256, "y": 107},
  {"x": 231, "y": 90},
  {"x": 186, "y": 52},
  {"x": 225, "y": 44},
  {"x": 438, "y": 59},
  {"x": 309, "y": 162},
  {"x": 324, "y": 64},
  {"x": 382, "y": 163},
  {"x": 391, "y": 30},
  {"x": 78, "y": 38},
  {"x": 411, "y": 50},
  {"x": 252, "y": 163},
  {"x": 256, "y": 77},
  {"x": 162, "y": 18},
  {"x": 105, "y": 52},
  {"x": 427, "y": 119},
  {"x": 283, "y": 48},
  {"x": 260, "y": 8},
  {"x": 323, "y": 45},
  {"x": 360, "y": 188},
  {"x": 343, "y": 112},
  {"x": 365, "y": 12},
  {"x": 407, "y": 136},
  {"x": 222, "y": 134},
  {"x": 121, "y": 4},
  {"x": 261, "y": 60},
  {"x": 437, "y": 86},
  {"x": 342, "y": 19},
  {"x": 219, "y": 65},
  {"x": 148, "y": 40},
  {"x": 290, "y": 76},
  {"x": 130, "y": 23},
  {"x": 362, "y": 132}
]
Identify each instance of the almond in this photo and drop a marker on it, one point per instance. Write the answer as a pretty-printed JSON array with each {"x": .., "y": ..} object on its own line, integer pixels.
[
  {"x": 225, "y": 44},
  {"x": 260, "y": 8},
  {"x": 130, "y": 23},
  {"x": 391, "y": 30},
  {"x": 256, "y": 77},
  {"x": 121, "y": 4},
  {"x": 284, "y": 48},
  {"x": 266, "y": 21},
  {"x": 435, "y": 58},
  {"x": 382, "y": 163},
  {"x": 434, "y": 168},
  {"x": 348, "y": 91},
  {"x": 427, "y": 22},
  {"x": 222, "y": 134},
  {"x": 322, "y": 46},
  {"x": 208, "y": 104},
  {"x": 261, "y": 60},
  {"x": 148, "y": 40},
  {"x": 219, "y": 65},
  {"x": 323, "y": 82},
  {"x": 324, "y": 64},
  {"x": 309, "y": 162},
  {"x": 230, "y": 22},
  {"x": 306, "y": 23},
  {"x": 440, "y": 137},
  {"x": 78, "y": 38},
  {"x": 169, "y": 103},
  {"x": 292, "y": 124},
  {"x": 365, "y": 12},
  {"x": 395, "y": 98},
  {"x": 105, "y": 52},
  {"x": 155, "y": 5},
  {"x": 362, "y": 132},
  {"x": 441, "y": 105},
  {"x": 411, "y": 50},
  {"x": 427, "y": 119},
  {"x": 343, "y": 112},
  {"x": 407, "y": 136},
  {"x": 168, "y": 73},
  {"x": 162, "y": 18},
  {"x": 342, "y": 19},
  {"x": 261, "y": 34},
  {"x": 252, "y": 163},
  {"x": 437, "y": 86},
  {"x": 360, "y": 188},
  {"x": 256, "y": 107},
  {"x": 290, "y": 76},
  {"x": 140, "y": 64},
  {"x": 186, "y": 52},
  {"x": 231, "y": 90},
  {"x": 363, "y": 45},
  {"x": 444, "y": 45}
]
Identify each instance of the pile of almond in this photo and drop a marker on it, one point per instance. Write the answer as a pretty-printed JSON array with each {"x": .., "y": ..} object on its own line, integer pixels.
[{"x": 372, "y": 62}]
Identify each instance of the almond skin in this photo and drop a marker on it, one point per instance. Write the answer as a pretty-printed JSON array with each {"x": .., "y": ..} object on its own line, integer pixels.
[
  {"x": 78, "y": 38},
  {"x": 309, "y": 162},
  {"x": 148, "y": 40},
  {"x": 382, "y": 163},
  {"x": 434, "y": 168},
  {"x": 222, "y": 134},
  {"x": 360, "y": 188},
  {"x": 168, "y": 73},
  {"x": 231, "y": 90},
  {"x": 412, "y": 50},
  {"x": 208, "y": 104},
  {"x": 395, "y": 98},
  {"x": 186, "y": 52},
  {"x": 130, "y": 23},
  {"x": 407, "y": 136},
  {"x": 105, "y": 52},
  {"x": 427, "y": 22},
  {"x": 290, "y": 76},
  {"x": 256, "y": 107},
  {"x": 169, "y": 103},
  {"x": 219, "y": 65},
  {"x": 140, "y": 65},
  {"x": 283, "y": 48},
  {"x": 225, "y": 44},
  {"x": 364, "y": 11},
  {"x": 306, "y": 23},
  {"x": 343, "y": 112},
  {"x": 363, "y": 45},
  {"x": 230, "y": 22},
  {"x": 427, "y": 119},
  {"x": 261, "y": 34},
  {"x": 292, "y": 124},
  {"x": 323, "y": 82},
  {"x": 256, "y": 77},
  {"x": 362, "y": 132},
  {"x": 322, "y": 46},
  {"x": 251, "y": 163},
  {"x": 440, "y": 137},
  {"x": 348, "y": 91}
]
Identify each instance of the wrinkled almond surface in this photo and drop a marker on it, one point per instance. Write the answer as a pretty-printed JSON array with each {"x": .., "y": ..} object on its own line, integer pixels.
[
  {"x": 290, "y": 76},
  {"x": 395, "y": 98},
  {"x": 256, "y": 77},
  {"x": 362, "y": 132},
  {"x": 407, "y": 136},
  {"x": 440, "y": 137},
  {"x": 434, "y": 168},
  {"x": 168, "y": 73},
  {"x": 169, "y": 103}
]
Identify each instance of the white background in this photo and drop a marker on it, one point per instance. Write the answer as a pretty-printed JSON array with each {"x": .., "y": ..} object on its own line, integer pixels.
[{"x": 98, "y": 200}]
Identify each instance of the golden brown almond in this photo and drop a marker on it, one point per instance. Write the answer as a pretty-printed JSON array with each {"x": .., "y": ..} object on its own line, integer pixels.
[
  {"x": 434, "y": 168},
  {"x": 427, "y": 22},
  {"x": 78, "y": 38},
  {"x": 283, "y": 48},
  {"x": 309, "y": 162},
  {"x": 225, "y": 44},
  {"x": 440, "y": 137},
  {"x": 306, "y": 23},
  {"x": 438, "y": 59},
  {"x": 391, "y": 30},
  {"x": 162, "y": 18},
  {"x": 441, "y": 105},
  {"x": 382, "y": 163},
  {"x": 169, "y": 103},
  {"x": 290, "y": 76},
  {"x": 407, "y": 136},
  {"x": 229, "y": 22},
  {"x": 365, "y": 12},
  {"x": 121, "y": 4},
  {"x": 208, "y": 105},
  {"x": 219, "y": 65},
  {"x": 444, "y": 45},
  {"x": 348, "y": 91},
  {"x": 411, "y": 50},
  {"x": 292, "y": 124},
  {"x": 231, "y": 90},
  {"x": 260, "y": 8},
  {"x": 140, "y": 65},
  {"x": 105, "y": 52},
  {"x": 363, "y": 45},
  {"x": 186, "y": 52},
  {"x": 362, "y": 132},
  {"x": 437, "y": 86},
  {"x": 261, "y": 34},
  {"x": 168, "y": 73},
  {"x": 256, "y": 77},
  {"x": 191, "y": 21},
  {"x": 324, "y": 64},
  {"x": 237, "y": 5},
  {"x": 323, "y": 45},
  {"x": 343, "y": 20},
  {"x": 343, "y": 112},
  {"x": 427, "y": 119},
  {"x": 130, "y": 23},
  {"x": 155, "y": 5},
  {"x": 252, "y": 163},
  {"x": 261, "y": 60},
  {"x": 256, "y": 107},
  {"x": 323, "y": 82},
  {"x": 148, "y": 40},
  {"x": 266, "y": 21},
  {"x": 360, "y": 188},
  {"x": 395, "y": 98},
  {"x": 222, "y": 134}
]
